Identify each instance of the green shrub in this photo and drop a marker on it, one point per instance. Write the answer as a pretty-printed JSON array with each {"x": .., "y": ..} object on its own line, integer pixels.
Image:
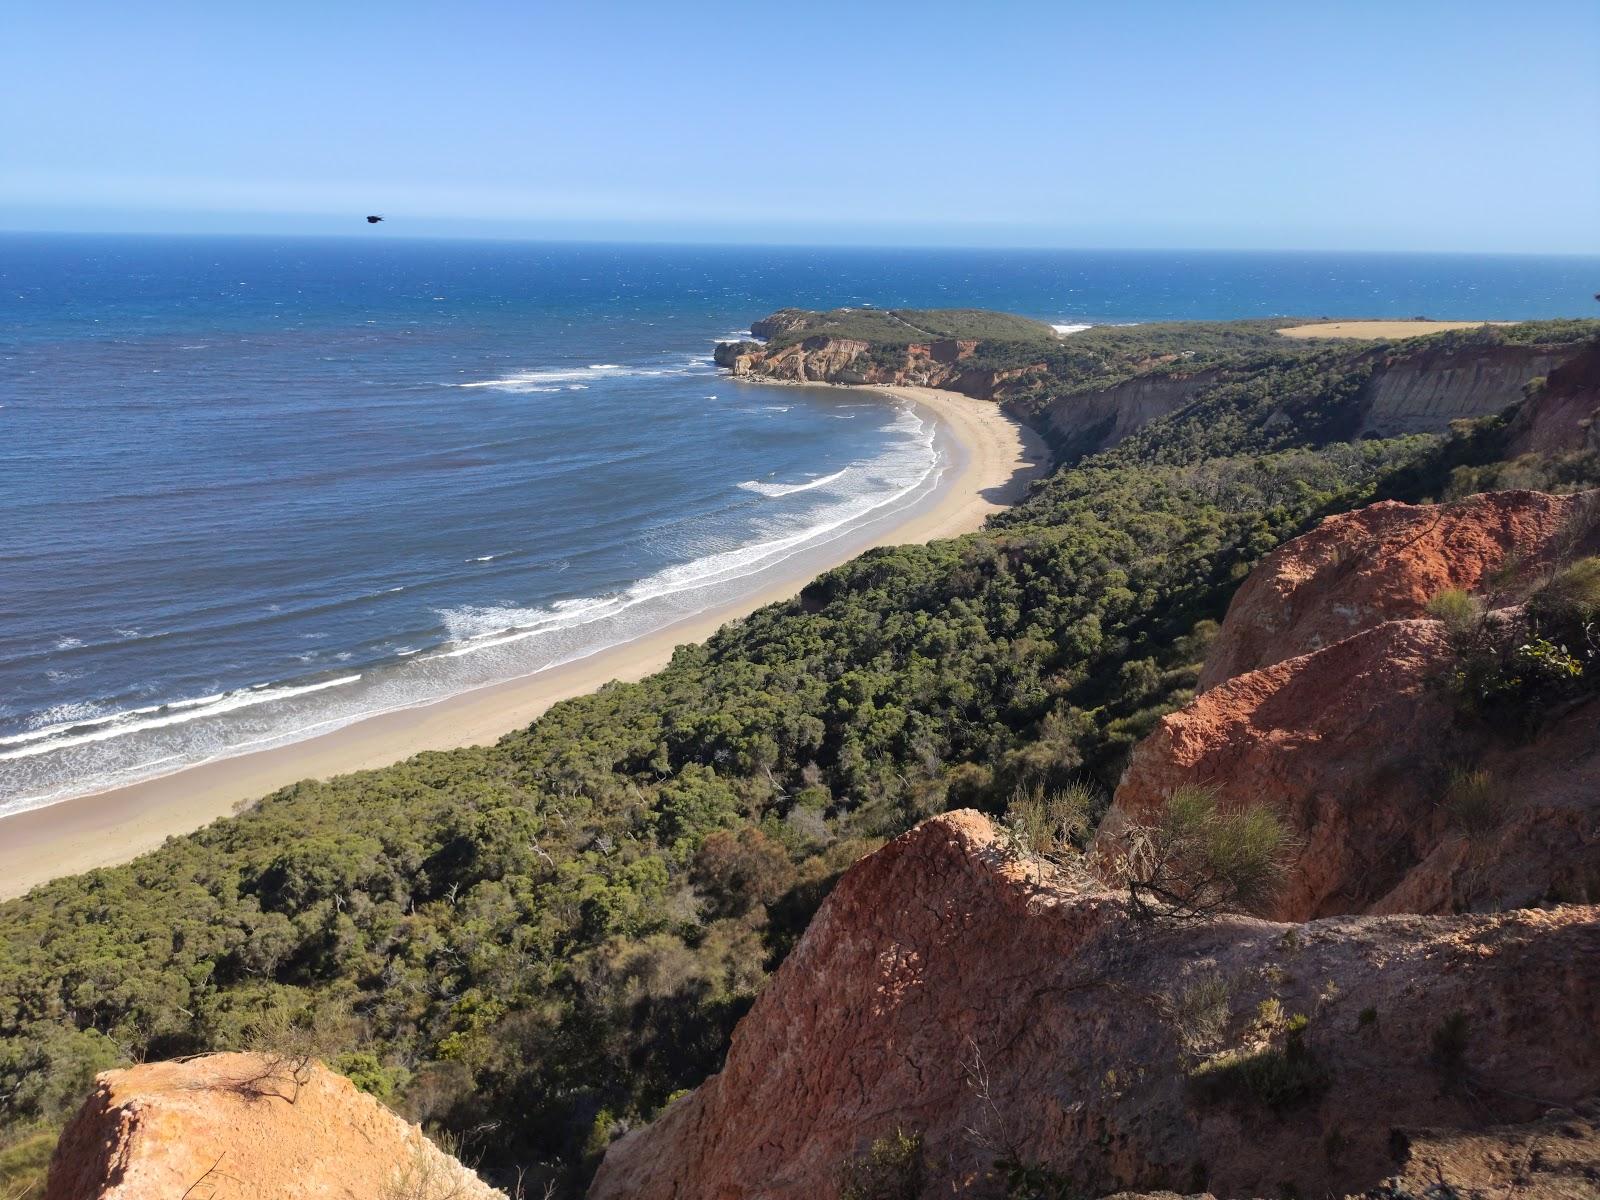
[
  {"x": 1052, "y": 825},
  {"x": 25, "y": 1162},
  {"x": 1474, "y": 801},
  {"x": 1197, "y": 860},
  {"x": 1573, "y": 593},
  {"x": 1201, "y": 1011},
  {"x": 1035, "y": 1181},
  {"x": 1460, "y": 611},
  {"x": 1512, "y": 677},
  {"x": 893, "y": 1168},
  {"x": 1273, "y": 1077}
]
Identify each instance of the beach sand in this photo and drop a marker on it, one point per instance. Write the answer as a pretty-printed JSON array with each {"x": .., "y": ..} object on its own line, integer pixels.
[
  {"x": 1381, "y": 329},
  {"x": 994, "y": 459}
]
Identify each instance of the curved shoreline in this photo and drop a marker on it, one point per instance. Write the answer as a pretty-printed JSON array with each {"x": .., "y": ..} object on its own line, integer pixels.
[{"x": 994, "y": 459}]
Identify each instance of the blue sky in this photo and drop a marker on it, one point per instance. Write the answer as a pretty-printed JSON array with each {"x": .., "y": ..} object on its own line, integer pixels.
[{"x": 1407, "y": 125}]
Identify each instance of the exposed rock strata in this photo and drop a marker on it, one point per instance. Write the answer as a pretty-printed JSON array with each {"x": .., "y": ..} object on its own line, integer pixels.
[
  {"x": 1422, "y": 392},
  {"x": 823, "y": 358},
  {"x": 1324, "y": 700},
  {"x": 1096, "y": 420},
  {"x": 1352, "y": 745}
]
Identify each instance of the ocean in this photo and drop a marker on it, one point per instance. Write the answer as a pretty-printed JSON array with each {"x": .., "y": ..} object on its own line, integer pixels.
[{"x": 257, "y": 488}]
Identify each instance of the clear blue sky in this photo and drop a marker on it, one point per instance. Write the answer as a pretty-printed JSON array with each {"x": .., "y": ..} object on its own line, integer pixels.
[{"x": 1408, "y": 124}]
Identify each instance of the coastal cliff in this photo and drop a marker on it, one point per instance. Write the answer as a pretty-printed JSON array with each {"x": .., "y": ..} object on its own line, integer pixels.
[
  {"x": 543, "y": 948},
  {"x": 1563, "y": 417},
  {"x": 1423, "y": 391},
  {"x": 822, "y": 358},
  {"x": 1085, "y": 396}
]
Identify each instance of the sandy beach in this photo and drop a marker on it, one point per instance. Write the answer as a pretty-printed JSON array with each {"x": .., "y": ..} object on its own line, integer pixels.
[{"x": 993, "y": 458}]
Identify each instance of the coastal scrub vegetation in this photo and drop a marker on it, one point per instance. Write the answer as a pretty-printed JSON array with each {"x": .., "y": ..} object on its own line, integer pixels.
[
  {"x": 900, "y": 326},
  {"x": 1196, "y": 860},
  {"x": 536, "y": 945}
]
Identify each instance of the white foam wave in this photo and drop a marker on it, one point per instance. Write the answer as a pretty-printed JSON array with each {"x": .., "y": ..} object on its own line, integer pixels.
[
  {"x": 484, "y": 646},
  {"x": 1066, "y": 329},
  {"x": 69, "y": 643},
  {"x": 887, "y": 481},
  {"x": 50, "y": 738},
  {"x": 579, "y": 378},
  {"x": 788, "y": 489}
]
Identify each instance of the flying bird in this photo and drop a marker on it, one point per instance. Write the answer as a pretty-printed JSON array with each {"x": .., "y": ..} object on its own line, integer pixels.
[{"x": 373, "y": 220}]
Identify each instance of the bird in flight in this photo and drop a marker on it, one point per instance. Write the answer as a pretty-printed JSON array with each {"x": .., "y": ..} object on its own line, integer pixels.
[{"x": 373, "y": 220}]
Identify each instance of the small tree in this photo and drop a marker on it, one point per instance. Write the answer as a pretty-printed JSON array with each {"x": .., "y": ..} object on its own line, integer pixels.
[
  {"x": 1197, "y": 860},
  {"x": 736, "y": 871}
]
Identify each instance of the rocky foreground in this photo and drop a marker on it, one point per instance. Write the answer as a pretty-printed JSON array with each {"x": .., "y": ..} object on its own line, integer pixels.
[
  {"x": 949, "y": 990},
  {"x": 247, "y": 1127}
]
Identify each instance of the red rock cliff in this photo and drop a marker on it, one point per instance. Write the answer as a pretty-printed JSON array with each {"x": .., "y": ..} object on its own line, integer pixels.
[
  {"x": 1385, "y": 562},
  {"x": 946, "y": 990},
  {"x": 1324, "y": 701}
]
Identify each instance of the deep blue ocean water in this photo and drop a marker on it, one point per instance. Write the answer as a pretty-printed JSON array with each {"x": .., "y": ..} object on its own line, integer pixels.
[{"x": 257, "y": 488}]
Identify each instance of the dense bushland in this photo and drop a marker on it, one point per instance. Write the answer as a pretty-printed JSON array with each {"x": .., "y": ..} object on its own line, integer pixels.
[{"x": 537, "y": 944}]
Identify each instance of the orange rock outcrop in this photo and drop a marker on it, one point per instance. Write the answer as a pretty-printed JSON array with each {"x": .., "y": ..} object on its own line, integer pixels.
[
  {"x": 247, "y": 1127},
  {"x": 1385, "y": 562},
  {"x": 1325, "y": 700}
]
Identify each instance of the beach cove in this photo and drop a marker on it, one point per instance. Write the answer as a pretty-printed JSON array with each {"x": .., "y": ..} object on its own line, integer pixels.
[{"x": 988, "y": 461}]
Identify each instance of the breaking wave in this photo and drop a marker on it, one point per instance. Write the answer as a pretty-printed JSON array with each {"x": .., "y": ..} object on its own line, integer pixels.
[{"x": 789, "y": 489}]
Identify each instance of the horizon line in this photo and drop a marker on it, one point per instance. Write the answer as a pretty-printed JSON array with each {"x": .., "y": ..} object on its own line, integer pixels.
[{"x": 755, "y": 244}]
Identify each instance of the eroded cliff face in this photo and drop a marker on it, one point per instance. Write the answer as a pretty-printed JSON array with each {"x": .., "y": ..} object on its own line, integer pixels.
[
  {"x": 1416, "y": 391},
  {"x": 942, "y": 363},
  {"x": 1325, "y": 700},
  {"x": 1081, "y": 423},
  {"x": 1353, "y": 747},
  {"x": 247, "y": 1127},
  {"x": 1564, "y": 416},
  {"x": 1424, "y": 392},
  {"x": 1097, "y": 420},
  {"x": 950, "y": 990},
  {"x": 1385, "y": 562}
]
